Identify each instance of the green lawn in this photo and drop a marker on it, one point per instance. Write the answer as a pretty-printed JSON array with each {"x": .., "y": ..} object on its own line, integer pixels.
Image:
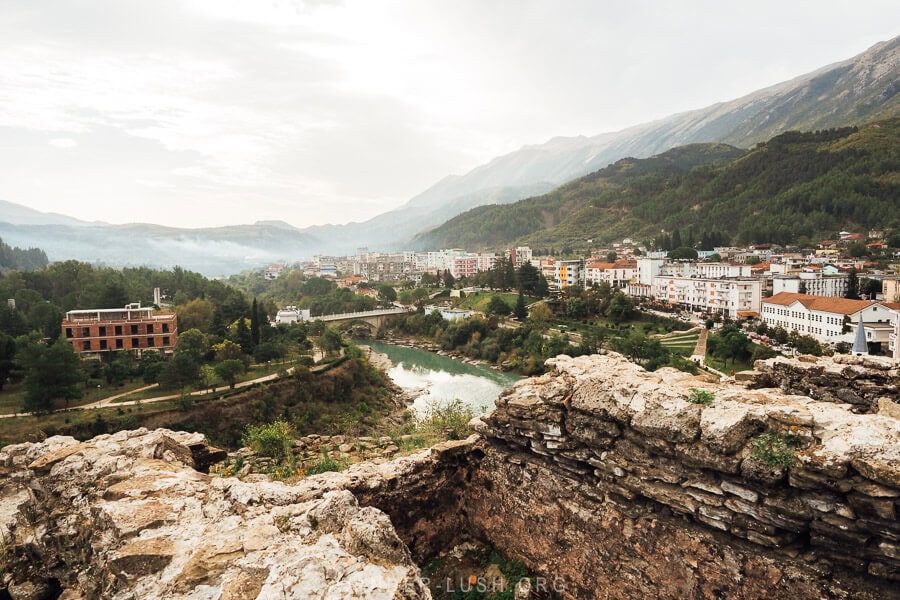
[{"x": 13, "y": 395}]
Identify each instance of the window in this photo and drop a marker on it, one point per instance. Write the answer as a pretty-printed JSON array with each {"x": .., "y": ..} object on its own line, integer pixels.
[
  {"x": 119, "y": 344},
  {"x": 134, "y": 330},
  {"x": 85, "y": 332},
  {"x": 102, "y": 331},
  {"x": 150, "y": 343},
  {"x": 103, "y": 344},
  {"x": 165, "y": 327},
  {"x": 135, "y": 343},
  {"x": 150, "y": 328},
  {"x": 118, "y": 330},
  {"x": 68, "y": 332},
  {"x": 85, "y": 345},
  {"x": 166, "y": 341}
]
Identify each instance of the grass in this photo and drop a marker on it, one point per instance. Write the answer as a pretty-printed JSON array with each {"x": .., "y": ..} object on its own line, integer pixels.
[
  {"x": 273, "y": 439},
  {"x": 703, "y": 397},
  {"x": 13, "y": 395},
  {"x": 775, "y": 449}
]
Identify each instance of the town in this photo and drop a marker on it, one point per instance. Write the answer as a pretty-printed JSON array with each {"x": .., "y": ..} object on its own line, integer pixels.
[{"x": 823, "y": 292}]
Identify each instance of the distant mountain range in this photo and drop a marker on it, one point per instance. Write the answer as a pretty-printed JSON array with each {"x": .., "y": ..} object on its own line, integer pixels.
[
  {"x": 855, "y": 91},
  {"x": 795, "y": 186},
  {"x": 212, "y": 251}
]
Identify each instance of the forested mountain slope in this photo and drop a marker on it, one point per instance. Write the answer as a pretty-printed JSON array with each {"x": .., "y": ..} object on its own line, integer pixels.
[{"x": 795, "y": 186}]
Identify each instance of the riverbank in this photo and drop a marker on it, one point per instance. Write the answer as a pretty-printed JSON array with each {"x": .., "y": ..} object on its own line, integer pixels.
[{"x": 429, "y": 346}]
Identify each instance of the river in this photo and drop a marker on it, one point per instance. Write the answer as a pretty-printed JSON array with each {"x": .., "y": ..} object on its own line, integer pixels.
[{"x": 443, "y": 379}]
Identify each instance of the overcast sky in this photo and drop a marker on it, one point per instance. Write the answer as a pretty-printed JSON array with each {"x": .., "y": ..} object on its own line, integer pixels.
[{"x": 212, "y": 112}]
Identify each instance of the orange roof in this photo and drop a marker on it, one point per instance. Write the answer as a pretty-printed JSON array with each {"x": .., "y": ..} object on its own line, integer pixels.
[
  {"x": 841, "y": 306},
  {"x": 892, "y": 305},
  {"x": 760, "y": 266},
  {"x": 853, "y": 236}
]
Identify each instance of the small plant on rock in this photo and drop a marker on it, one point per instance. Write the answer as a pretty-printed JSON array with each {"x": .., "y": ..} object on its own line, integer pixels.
[
  {"x": 325, "y": 465},
  {"x": 274, "y": 440},
  {"x": 704, "y": 397},
  {"x": 775, "y": 449}
]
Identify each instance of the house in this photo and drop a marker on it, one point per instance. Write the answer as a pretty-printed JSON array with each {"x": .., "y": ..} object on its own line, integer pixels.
[
  {"x": 617, "y": 274},
  {"x": 273, "y": 272},
  {"x": 130, "y": 328},
  {"x": 828, "y": 319},
  {"x": 291, "y": 314},
  {"x": 811, "y": 281}
]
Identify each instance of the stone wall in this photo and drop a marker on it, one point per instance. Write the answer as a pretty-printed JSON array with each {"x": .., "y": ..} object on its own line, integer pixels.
[
  {"x": 607, "y": 476},
  {"x": 860, "y": 381}
]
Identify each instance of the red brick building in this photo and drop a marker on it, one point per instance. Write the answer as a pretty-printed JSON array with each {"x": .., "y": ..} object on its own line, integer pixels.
[{"x": 114, "y": 329}]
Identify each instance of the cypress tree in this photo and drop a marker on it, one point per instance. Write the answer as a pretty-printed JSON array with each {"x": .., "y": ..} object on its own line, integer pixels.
[{"x": 254, "y": 323}]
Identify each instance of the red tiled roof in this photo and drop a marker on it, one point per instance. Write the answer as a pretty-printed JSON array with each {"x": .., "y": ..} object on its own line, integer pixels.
[{"x": 843, "y": 306}]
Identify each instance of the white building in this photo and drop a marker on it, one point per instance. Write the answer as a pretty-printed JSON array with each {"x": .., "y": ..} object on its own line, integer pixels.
[
  {"x": 617, "y": 274},
  {"x": 894, "y": 341},
  {"x": 648, "y": 269},
  {"x": 291, "y": 314},
  {"x": 812, "y": 284},
  {"x": 828, "y": 319},
  {"x": 716, "y": 270},
  {"x": 567, "y": 273},
  {"x": 734, "y": 298}
]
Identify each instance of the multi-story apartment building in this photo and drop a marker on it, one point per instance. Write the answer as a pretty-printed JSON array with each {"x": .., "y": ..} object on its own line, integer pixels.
[
  {"x": 111, "y": 329},
  {"x": 567, "y": 273},
  {"x": 829, "y": 319},
  {"x": 616, "y": 274},
  {"x": 715, "y": 270},
  {"x": 811, "y": 283},
  {"x": 648, "y": 269},
  {"x": 734, "y": 298},
  {"x": 890, "y": 289}
]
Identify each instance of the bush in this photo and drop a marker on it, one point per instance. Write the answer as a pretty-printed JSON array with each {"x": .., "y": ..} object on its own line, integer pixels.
[
  {"x": 452, "y": 418},
  {"x": 274, "y": 440},
  {"x": 775, "y": 449},
  {"x": 326, "y": 464},
  {"x": 703, "y": 397}
]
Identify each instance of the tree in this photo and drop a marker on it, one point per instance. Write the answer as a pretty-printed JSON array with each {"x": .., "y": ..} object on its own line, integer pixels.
[
  {"x": 449, "y": 280},
  {"x": 180, "y": 371},
  {"x": 870, "y": 287},
  {"x": 194, "y": 343},
  {"x": 242, "y": 336},
  {"x": 196, "y": 314},
  {"x": 852, "y": 292},
  {"x": 51, "y": 373},
  {"x": 806, "y": 344},
  {"x": 540, "y": 314},
  {"x": 621, "y": 308},
  {"x": 229, "y": 370},
  {"x": 254, "y": 323},
  {"x": 330, "y": 341},
  {"x": 497, "y": 306},
  {"x": 228, "y": 350},
  {"x": 7, "y": 358},
  {"x": 520, "y": 312},
  {"x": 611, "y": 256},
  {"x": 428, "y": 280},
  {"x": 387, "y": 293},
  {"x": 683, "y": 253}
]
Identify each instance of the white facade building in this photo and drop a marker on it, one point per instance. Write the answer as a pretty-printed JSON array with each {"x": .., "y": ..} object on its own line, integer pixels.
[
  {"x": 828, "y": 319},
  {"x": 648, "y": 269},
  {"x": 728, "y": 297},
  {"x": 567, "y": 273},
  {"x": 291, "y": 314},
  {"x": 812, "y": 284},
  {"x": 617, "y": 274},
  {"x": 716, "y": 270}
]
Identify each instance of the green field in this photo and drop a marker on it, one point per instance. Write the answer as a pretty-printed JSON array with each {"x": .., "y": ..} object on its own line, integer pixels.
[{"x": 480, "y": 300}]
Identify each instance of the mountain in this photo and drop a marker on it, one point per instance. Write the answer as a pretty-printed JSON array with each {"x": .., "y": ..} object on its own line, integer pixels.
[
  {"x": 854, "y": 91},
  {"x": 211, "y": 251},
  {"x": 16, "y": 214},
  {"x": 796, "y": 185}
]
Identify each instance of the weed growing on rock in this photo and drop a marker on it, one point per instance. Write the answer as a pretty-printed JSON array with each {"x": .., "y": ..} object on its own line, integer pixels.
[
  {"x": 273, "y": 440},
  {"x": 775, "y": 449},
  {"x": 704, "y": 397},
  {"x": 325, "y": 465}
]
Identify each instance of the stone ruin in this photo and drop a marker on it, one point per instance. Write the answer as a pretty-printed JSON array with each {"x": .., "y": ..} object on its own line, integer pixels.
[{"x": 599, "y": 475}]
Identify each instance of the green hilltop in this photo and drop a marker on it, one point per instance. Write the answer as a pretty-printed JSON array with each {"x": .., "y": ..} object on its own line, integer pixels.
[{"x": 795, "y": 187}]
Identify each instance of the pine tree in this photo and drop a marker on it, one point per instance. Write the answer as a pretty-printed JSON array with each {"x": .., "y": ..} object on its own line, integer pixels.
[
  {"x": 520, "y": 311},
  {"x": 852, "y": 286},
  {"x": 254, "y": 323}
]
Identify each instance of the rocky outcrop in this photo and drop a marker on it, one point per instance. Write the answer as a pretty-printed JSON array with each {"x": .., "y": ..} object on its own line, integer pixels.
[
  {"x": 604, "y": 479},
  {"x": 860, "y": 381},
  {"x": 129, "y": 516},
  {"x": 608, "y": 477}
]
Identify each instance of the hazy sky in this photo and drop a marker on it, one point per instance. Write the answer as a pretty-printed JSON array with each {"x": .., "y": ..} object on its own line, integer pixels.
[{"x": 212, "y": 112}]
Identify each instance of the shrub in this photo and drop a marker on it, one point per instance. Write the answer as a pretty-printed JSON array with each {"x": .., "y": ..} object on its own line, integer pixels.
[
  {"x": 451, "y": 418},
  {"x": 274, "y": 440},
  {"x": 775, "y": 449},
  {"x": 326, "y": 464},
  {"x": 703, "y": 397}
]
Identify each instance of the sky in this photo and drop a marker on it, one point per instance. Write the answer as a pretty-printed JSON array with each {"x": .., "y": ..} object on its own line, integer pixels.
[{"x": 197, "y": 113}]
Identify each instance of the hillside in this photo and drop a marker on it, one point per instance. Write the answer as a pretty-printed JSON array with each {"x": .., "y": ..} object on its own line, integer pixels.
[
  {"x": 795, "y": 185},
  {"x": 858, "y": 90}
]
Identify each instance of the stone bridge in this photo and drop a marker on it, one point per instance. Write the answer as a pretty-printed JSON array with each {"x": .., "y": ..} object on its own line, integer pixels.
[{"x": 375, "y": 319}]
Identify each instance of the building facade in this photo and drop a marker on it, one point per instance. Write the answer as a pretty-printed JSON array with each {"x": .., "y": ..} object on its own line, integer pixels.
[
  {"x": 116, "y": 329},
  {"x": 733, "y": 298},
  {"x": 812, "y": 284}
]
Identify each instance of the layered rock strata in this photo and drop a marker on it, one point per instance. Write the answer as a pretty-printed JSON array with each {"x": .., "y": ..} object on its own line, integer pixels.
[
  {"x": 860, "y": 381},
  {"x": 607, "y": 476}
]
